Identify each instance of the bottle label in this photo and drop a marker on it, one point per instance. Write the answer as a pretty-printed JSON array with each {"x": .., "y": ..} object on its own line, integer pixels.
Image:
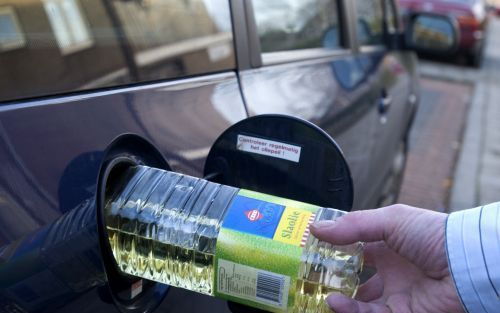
[{"x": 259, "y": 248}]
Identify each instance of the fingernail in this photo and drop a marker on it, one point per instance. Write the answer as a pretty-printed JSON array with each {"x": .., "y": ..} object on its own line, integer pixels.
[{"x": 322, "y": 225}]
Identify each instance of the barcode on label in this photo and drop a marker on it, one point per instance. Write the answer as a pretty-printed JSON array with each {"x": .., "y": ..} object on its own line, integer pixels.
[
  {"x": 253, "y": 284},
  {"x": 270, "y": 287}
]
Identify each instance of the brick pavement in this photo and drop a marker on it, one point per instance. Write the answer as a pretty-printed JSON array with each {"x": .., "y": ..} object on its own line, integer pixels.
[{"x": 434, "y": 143}]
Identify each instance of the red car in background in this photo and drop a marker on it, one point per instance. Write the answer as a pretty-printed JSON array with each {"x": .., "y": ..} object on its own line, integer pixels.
[{"x": 471, "y": 16}]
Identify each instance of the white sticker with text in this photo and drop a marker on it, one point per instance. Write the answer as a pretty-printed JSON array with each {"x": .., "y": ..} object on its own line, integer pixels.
[{"x": 270, "y": 148}]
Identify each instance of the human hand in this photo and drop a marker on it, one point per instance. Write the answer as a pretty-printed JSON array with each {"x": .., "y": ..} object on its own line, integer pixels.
[{"x": 407, "y": 247}]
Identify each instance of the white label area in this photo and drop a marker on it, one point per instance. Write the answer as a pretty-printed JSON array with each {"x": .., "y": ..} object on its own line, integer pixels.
[
  {"x": 270, "y": 148},
  {"x": 252, "y": 284}
]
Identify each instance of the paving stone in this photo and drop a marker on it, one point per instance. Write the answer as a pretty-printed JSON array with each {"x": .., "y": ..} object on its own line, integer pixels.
[{"x": 434, "y": 142}]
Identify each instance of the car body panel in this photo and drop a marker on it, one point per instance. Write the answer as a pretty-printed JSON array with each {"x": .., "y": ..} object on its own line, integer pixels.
[
  {"x": 394, "y": 79},
  {"x": 51, "y": 153},
  {"x": 310, "y": 90},
  {"x": 341, "y": 94},
  {"x": 43, "y": 139}
]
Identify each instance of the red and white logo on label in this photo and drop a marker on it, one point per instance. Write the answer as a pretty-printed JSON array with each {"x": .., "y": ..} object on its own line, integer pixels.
[{"x": 253, "y": 215}]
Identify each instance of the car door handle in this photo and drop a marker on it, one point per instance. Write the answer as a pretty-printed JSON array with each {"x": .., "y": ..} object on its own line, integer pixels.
[{"x": 384, "y": 103}]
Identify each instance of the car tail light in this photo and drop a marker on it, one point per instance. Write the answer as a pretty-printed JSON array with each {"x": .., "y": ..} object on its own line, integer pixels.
[{"x": 469, "y": 21}]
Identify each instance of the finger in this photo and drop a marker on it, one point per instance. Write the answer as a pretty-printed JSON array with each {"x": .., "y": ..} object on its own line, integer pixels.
[
  {"x": 371, "y": 290},
  {"x": 367, "y": 226},
  {"x": 342, "y": 304},
  {"x": 371, "y": 252}
]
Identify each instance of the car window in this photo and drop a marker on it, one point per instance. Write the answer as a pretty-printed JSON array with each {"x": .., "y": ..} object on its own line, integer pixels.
[
  {"x": 284, "y": 25},
  {"x": 58, "y": 46},
  {"x": 370, "y": 22}
]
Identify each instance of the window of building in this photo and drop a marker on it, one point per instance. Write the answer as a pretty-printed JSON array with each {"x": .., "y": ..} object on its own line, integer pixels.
[
  {"x": 370, "y": 23},
  {"x": 11, "y": 35},
  {"x": 69, "y": 25},
  {"x": 285, "y": 25}
]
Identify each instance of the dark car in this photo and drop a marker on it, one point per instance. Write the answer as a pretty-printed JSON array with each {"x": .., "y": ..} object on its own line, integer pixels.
[
  {"x": 471, "y": 17},
  {"x": 76, "y": 74}
]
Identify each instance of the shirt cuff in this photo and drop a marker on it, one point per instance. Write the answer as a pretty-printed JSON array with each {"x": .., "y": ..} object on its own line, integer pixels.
[{"x": 473, "y": 247}]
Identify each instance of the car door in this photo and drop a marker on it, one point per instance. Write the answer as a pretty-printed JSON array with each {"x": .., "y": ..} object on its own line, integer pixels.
[
  {"x": 75, "y": 75},
  {"x": 392, "y": 70},
  {"x": 302, "y": 62}
]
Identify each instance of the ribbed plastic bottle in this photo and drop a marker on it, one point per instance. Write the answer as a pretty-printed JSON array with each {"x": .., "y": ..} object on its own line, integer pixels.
[{"x": 236, "y": 244}]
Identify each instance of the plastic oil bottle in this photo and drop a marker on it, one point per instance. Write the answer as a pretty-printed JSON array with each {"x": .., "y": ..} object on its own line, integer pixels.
[{"x": 236, "y": 244}]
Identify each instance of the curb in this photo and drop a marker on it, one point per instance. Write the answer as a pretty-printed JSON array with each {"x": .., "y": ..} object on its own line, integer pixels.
[{"x": 464, "y": 193}]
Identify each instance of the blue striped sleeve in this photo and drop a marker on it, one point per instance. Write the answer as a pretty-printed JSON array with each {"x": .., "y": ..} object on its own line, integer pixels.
[{"x": 473, "y": 247}]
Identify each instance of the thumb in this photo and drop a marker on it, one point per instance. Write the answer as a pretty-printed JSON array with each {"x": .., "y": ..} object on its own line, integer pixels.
[{"x": 367, "y": 226}]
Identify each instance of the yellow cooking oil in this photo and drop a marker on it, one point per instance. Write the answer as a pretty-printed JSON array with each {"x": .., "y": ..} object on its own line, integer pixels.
[
  {"x": 163, "y": 227},
  {"x": 310, "y": 297},
  {"x": 164, "y": 263},
  {"x": 326, "y": 269}
]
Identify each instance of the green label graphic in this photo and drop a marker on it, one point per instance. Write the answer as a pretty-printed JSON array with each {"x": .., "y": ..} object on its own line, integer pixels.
[{"x": 259, "y": 249}]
